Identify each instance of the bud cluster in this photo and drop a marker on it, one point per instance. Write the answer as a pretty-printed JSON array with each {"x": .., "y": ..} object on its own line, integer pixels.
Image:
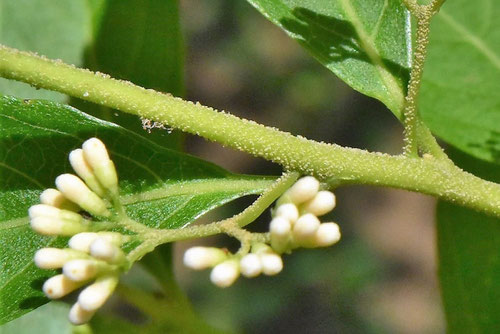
[
  {"x": 227, "y": 267},
  {"x": 295, "y": 224},
  {"x": 92, "y": 257},
  {"x": 295, "y": 220}
]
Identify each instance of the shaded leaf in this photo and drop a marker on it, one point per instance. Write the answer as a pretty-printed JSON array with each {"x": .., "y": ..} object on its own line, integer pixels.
[
  {"x": 365, "y": 43},
  {"x": 469, "y": 265},
  {"x": 160, "y": 187},
  {"x": 459, "y": 97},
  {"x": 56, "y": 29}
]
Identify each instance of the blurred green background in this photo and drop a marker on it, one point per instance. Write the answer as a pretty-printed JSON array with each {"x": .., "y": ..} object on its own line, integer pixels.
[{"x": 381, "y": 277}]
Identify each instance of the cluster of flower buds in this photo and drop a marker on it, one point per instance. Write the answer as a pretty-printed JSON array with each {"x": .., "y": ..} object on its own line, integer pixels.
[
  {"x": 228, "y": 267},
  {"x": 93, "y": 258},
  {"x": 295, "y": 220},
  {"x": 295, "y": 224}
]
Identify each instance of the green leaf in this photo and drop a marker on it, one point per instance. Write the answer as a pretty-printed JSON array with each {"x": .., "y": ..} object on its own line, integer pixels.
[
  {"x": 56, "y": 29},
  {"x": 366, "y": 43},
  {"x": 50, "y": 318},
  {"x": 469, "y": 263},
  {"x": 459, "y": 97},
  {"x": 139, "y": 41},
  {"x": 160, "y": 187}
]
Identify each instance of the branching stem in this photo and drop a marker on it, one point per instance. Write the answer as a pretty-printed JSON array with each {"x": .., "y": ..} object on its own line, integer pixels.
[{"x": 411, "y": 121}]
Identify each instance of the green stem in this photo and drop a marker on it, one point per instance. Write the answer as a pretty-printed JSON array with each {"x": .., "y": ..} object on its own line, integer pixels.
[
  {"x": 231, "y": 226},
  {"x": 326, "y": 161}
]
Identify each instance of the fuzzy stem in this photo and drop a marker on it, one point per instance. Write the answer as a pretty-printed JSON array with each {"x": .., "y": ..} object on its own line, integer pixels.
[{"x": 326, "y": 161}]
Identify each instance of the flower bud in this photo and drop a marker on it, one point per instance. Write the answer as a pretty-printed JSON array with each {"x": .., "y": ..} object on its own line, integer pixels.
[
  {"x": 96, "y": 155},
  {"x": 54, "y": 258},
  {"x": 250, "y": 265},
  {"x": 225, "y": 273},
  {"x": 51, "y": 226},
  {"x": 96, "y": 294},
  {"x": 82, "y": 241},
  {"x": 83, "y": 170},
  {"x": 78, "y": 315},
  {"x": 102, "y": 249},
  {"x": 305, "y": 227},
  {"x": 303, "y": 190},
  {"x": 321, "y": 204},
  {"x": 55, "y": 198},
  {"x": 272, "y": 263},
  {"x": 44, "y": 210},
  {"x": 83, "y": 269},
  {"x": 327, "y": 235},
  {"x": 74, "y": 189},
  {"x": 199, "y": 258},
  {"x": 59, "y": 286},
  {"x": 288, "y": 211},
  {"x": 280, "y": 230}
]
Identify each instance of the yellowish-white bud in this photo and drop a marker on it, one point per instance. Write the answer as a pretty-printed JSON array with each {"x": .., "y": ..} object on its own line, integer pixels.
[
  {"x": 83, "y": 169},
  {"x": 321, "y": 204},
  {"x": 83, "y": 269},
  {"x": 75, "y": 190},
  {"x": 305, "y": 227},
  {"x": 44, "y": 210},
  {"x": 96, "y": 294},
  {"x": 82, "y": 241},
  {"x": 55, "y": 198},
  {"x": 272, "y": 263},
  {"x": 51, "y": 226},
  {"x": 288, "y": 211},
  {"x": 200, "y": 258},
  {"x": 59, "y": 286},
  {"x": 78, "y": 315},
  {"x": 102, "y": 249},
  {"x": 303, "y": 190},
  {"x": 327, "y": 235},
  {"x": 250, "y": 265},
  {"x": 225, "y": 273},
  {"x": 96, "y": 155},
  {"x": 280, "y": 230},
  {"x": 54, "y": 258}
]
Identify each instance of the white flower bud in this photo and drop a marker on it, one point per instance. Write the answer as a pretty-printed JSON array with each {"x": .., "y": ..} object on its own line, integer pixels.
[
  {"x": 102, "y": 249},
  {"x": 96, "y": 294},
  {"x": 250, "y": 265},
  {"x": 55, "y": 198},
  {"x": 288, "y": 211},
  {"x": 78, "y": 315},
  {"x": 59, "y": 286},
  {"x": 51, "y": 226},
  {"x": 82, "y": 241},
  {"x": 303, "y": 190},
  {"x": 54, "y": 258},
  {"x": 321, "y": 204},
  {"x": 280, "y": 230},
  {"x": 44, "y": 210},
  {"x": 225, "y": 273},
  {"x": 96, "y": 155},
  {"x": 75, "y": 190},
  {"x": 305, "y": 227},
  {"x": 82, "y": 269},
  {"x": 327, "y": 235},
  {"x": 272, "y": 263},
  {"x": 83, "y": 169},
  {"x": 199, "y": 258}
]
